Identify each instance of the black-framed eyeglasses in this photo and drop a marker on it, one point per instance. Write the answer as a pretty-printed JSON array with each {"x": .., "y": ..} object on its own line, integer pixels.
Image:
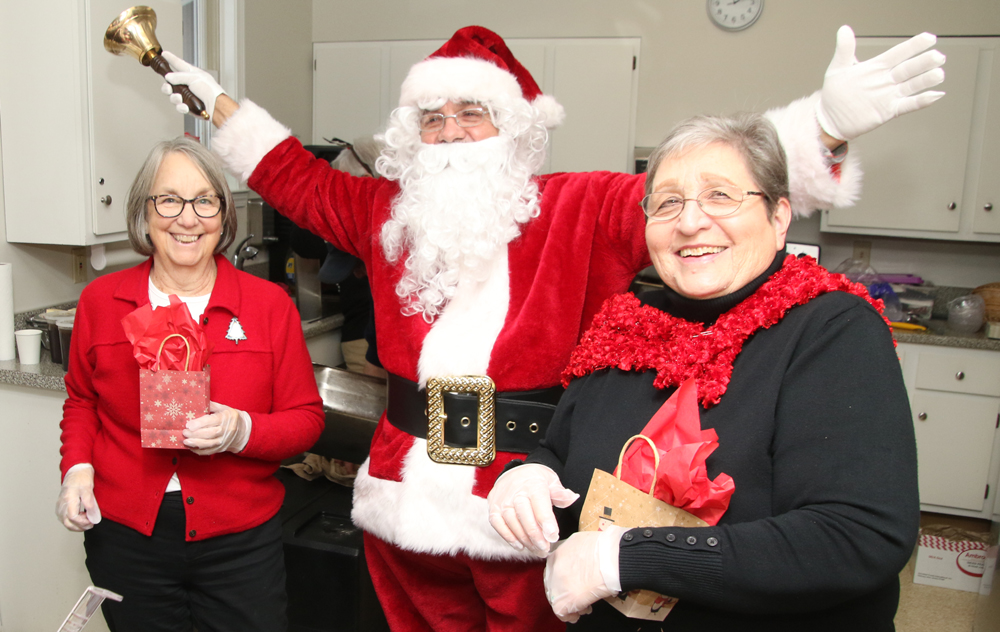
[
  {"x": 720, "y": 201},
  {"x": 469, "y": 117},
  {"x": 169, "y": 206}
]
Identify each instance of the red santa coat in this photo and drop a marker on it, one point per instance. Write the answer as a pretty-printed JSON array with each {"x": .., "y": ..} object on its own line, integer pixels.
[{"x": 519, "y": 327}]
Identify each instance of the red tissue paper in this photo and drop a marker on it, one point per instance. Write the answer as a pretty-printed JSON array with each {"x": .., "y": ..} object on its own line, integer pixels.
[
  {"x": 171, "y": 349},
  {"x": 682, "y": 477},
  {"x": 147, "y": 328}
]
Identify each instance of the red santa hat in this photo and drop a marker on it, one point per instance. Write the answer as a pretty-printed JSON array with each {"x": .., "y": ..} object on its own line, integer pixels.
[{"x": 476, "y": 65}]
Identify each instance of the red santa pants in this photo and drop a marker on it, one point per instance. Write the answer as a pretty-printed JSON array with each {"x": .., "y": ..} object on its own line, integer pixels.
[{"x": 456, "y": 593}]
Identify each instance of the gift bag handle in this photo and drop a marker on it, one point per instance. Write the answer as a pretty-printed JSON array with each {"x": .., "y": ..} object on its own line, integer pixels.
[
  {"x": 188, "y": 358},
  {"x": 656, "y": 458}
]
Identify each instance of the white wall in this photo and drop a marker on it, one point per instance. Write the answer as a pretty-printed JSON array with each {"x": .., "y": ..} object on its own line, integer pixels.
[{"x": 42, "y": 563}]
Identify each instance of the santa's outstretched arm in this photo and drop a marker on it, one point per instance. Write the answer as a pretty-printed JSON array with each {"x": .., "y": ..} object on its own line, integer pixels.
[{"x": 855, "y": 99}]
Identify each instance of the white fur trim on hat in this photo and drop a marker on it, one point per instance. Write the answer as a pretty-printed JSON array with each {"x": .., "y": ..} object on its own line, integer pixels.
[
  {"x": 457, "y": 79},
  {"x": 813, "y": 185},
  {"x": 246, "y": 137},
  {"x": 553, "y": 113}
]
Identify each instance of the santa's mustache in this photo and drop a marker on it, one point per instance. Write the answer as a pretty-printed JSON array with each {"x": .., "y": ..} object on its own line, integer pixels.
[{"x": 489, "y": 155}]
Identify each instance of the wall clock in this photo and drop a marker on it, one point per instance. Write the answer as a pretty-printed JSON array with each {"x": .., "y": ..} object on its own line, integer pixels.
[{"x": 734, "y": 15}]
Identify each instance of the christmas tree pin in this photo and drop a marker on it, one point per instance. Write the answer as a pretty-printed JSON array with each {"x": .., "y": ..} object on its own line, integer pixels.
[{"x": 235, "y": 332}]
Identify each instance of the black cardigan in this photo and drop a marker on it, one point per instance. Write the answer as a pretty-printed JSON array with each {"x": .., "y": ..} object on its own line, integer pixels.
[{"x": 815, "y": 429}]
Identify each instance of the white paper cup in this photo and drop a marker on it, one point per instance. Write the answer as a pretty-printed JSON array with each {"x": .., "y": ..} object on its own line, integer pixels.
[{"x": 29, "y": 345}]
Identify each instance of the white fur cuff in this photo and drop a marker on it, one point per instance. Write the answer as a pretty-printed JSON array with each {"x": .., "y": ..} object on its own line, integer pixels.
[
  {"x": 812, "y": 184},
  {"x": 248, "y": 135}
]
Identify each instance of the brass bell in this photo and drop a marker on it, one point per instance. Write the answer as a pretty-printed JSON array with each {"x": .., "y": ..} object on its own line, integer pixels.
[{"x": 133, "y": 33}]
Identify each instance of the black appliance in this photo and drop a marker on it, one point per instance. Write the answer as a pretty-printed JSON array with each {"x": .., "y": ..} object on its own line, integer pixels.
[{"x": 328, "y": 585}]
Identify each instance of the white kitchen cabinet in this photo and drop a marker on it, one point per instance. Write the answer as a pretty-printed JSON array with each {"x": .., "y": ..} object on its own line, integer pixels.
[
  {"x": 934, "y": 174},
  {"x": 42, "y": 564},
  {"x": 356, "y": 86},
  {"x": 76, "y": 122},
  {"x": 955, "y": 400}
]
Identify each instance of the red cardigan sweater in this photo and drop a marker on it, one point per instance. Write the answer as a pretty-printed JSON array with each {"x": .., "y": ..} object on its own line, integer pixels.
[{"x": 269, "y": 375}]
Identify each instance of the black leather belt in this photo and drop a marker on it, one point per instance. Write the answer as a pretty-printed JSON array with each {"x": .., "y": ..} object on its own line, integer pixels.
[{"x": 465, "y": 421}]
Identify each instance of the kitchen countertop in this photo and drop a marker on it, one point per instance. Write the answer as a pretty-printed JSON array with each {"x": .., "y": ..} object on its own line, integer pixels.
[
  {"x": 938, "y": 333},
  {"x": 49, "y": 376}
]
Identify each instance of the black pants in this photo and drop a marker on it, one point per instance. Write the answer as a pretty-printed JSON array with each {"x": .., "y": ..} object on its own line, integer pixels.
[{"x": 232, "y": 582}]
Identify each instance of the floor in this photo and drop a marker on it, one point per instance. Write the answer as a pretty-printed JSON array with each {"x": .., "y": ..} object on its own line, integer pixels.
[{"x": 932, "y": 609}]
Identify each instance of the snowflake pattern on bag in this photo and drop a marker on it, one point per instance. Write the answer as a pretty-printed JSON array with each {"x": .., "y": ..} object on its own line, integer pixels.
[{"x": 167, "y": 401}]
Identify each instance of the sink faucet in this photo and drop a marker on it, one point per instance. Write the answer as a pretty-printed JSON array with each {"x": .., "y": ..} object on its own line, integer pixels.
[{"x": 244, "y": 252}]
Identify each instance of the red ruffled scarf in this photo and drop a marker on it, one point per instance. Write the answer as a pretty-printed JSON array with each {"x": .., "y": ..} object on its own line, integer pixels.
[{"x": 633, "y": 337}]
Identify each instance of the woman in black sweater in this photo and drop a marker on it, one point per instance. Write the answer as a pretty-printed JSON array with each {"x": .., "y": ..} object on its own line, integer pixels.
[{"x": 797, "y": 374}]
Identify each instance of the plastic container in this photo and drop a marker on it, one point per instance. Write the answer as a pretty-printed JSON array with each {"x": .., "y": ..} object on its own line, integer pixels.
[
  {"x": 65, "y": 335},
  {"x": 966, "y": 313},
  {"x": 55, "y": 348}
]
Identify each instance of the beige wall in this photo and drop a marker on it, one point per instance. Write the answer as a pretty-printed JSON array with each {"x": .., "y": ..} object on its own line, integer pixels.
[
  {"x": 278, "y": 60},
  {"x": 688, "y": 65}
]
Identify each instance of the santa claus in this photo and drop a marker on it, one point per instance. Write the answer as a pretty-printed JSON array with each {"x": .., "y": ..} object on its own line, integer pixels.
[{"x": 484, "y": 274}]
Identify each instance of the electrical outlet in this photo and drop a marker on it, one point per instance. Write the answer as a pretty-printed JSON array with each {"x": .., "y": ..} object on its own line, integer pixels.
[
  {"x": 863, "y": 251},
  {"x": 79, "y": 265}
]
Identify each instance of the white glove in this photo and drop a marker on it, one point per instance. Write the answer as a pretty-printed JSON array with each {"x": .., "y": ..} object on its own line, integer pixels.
[
  {"x": 223, "y": 429},
  {"x": 202, "y": 84},
  {"x": 573, "y": 577},
  {"x": 76, "y": 506},
  {"x": 521, "y": 507},
  {"x": 858, "y": 97}
]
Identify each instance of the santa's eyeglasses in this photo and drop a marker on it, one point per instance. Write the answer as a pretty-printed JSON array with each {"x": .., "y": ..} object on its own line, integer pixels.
[{"x": 434, "y": 121}]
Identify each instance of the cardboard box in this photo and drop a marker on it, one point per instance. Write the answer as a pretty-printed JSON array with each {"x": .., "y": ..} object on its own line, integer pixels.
[{"x": 957, "y": 564}]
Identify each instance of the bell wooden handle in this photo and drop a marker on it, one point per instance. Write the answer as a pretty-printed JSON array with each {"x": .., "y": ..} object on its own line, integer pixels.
[{"x": 160, "y": 65}]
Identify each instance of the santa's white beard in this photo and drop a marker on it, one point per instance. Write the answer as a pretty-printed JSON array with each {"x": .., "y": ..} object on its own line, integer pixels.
[{"x": 460, "y": 203}]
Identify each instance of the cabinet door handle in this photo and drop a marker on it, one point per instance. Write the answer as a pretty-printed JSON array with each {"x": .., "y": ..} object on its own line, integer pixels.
[
  {"x": 960, "y": 375},
  {"x": 952, "y": 206},
  {"x": 988, "y": 207},
  {"x": 106, "y": 200},
  {"x": 922, "y": 416}
]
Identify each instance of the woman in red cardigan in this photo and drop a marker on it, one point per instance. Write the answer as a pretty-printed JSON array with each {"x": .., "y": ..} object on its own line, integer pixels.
[{"x": 188, "y": 536}]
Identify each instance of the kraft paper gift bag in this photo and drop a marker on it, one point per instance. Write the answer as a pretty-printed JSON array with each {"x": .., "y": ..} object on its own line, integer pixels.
[
  {"x": 610, "y": 501},
  {"x": 168, "y": 399}
]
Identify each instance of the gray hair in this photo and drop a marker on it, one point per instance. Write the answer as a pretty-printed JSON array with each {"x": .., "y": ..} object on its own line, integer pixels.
[
  {"x": 137, "y": 205},
  {"x": 752, "y": 136}
]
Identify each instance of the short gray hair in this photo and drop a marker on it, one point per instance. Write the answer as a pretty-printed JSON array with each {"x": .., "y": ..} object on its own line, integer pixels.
[
  {"x": 752, "y": 136},
  {"x": 137, "y": 206}
]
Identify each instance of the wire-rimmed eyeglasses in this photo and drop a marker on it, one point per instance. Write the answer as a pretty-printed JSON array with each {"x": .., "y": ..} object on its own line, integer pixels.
[
  {"x": 469, "y": 117},
  {"x": 720, "y": 201},
  {"x": 169, "y": 206}
]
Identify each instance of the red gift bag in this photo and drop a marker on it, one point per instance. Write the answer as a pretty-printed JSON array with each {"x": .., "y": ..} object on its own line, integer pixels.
[{"x": 169, "y": 399}]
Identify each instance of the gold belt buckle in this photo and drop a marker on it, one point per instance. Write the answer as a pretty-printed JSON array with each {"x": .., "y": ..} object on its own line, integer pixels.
[{"x": 486, "y": 432}]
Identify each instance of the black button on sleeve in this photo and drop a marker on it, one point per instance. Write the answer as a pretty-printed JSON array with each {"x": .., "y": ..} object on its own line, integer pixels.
[
  {"x": 692, "y": 540},
  {"x": 190, "y": 500},
  {"x": 192, "y": 533},
  {"x": 671, "y": 537},
  {"x": 628, "y": 537},
  {"x": 204, "y": 320},
  {"x": 712, "y": 541},
  {"x": 647, "y": 533}
]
